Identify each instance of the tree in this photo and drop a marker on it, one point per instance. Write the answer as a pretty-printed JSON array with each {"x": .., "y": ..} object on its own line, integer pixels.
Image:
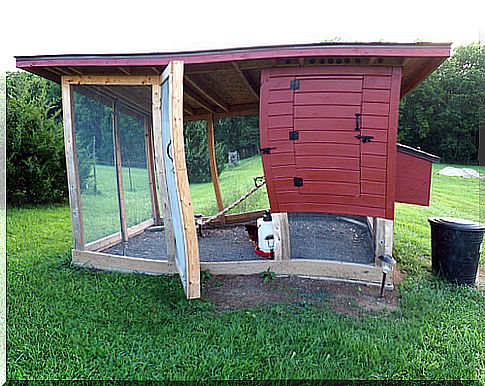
[{"x": 442, "y": 114}]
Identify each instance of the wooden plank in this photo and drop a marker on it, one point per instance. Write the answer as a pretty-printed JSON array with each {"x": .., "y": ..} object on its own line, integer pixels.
[
  {"x": 160, "y": 171},
  {"x": 372, "y": 187},
  {"x": 252, "y": 88},
  {"x": 190, "y": 94},
  {"x": 374, "y": 148},
  {"x": 115, "y": 238},
  {"x": 377, "y": 82},
  {"x": 72, "y": 165},
  {"x": 192, "y": 246},
  {"x": 328, "y": 161},
  {"x": 354, "y": 210},
  {"x": 213, "y": 165},
  {"x": 329, "y": 98},
  {"x": 372, "y": 174},
  {"x": 330, "y": 188},
  {"x": 383, "y": 237},
  {"x": 206, "y": 93},
  {"x": 116, "y": 263},
  {"x": 281, "y": 233},
  {"x": 371, "y": 201},
  {"x": 375, "y": 108},
  {"x": 326, "y": 111},
  {"x": 128, "y": 80},
  {"x": 335, "y": 175},
  {"x": 392, "y": 141},
  {"x": 326, "y": 84},
  {"x": 119, "y": 173},
  {"x": 240, "y": 217},
  {"x": 150, "y": 157},
  {"x": 376, "y": 96},
  {"x": 350, "y": 150},
  {"x": 413, "y": 179}
]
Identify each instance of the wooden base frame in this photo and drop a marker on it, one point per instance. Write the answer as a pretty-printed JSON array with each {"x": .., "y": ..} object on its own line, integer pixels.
[{"x": 322, "y": 269}]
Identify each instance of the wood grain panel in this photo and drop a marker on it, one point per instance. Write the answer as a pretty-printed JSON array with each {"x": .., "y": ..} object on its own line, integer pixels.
[
  {"x": 377, "y": 82},
  {"x": 329, "y": 84},
  {"x": 337, "y": 175},
  {"x": 280, "y": 108},
  {"x": 280, "y": 83},
  {"x": 374, "y": 148},
  {"x": 413, "y": 180},
  {"x": 326, "y": 111},
  {"x": 376, "y": 96},
  {"x": 281, "y": 95},
  {"x": 337, "y": 149},
  {"x": 371, "y": 174},
  {"x": 327, "y": 161},
  {"x": 374, "y": 122},
  {"x": 346, "y": 123},
  {"x": 373, "y": 161},
  {"x": 374, "y": 108},
  {"x": 327, "y": 136},
  {"x": 328, "y": 98},
  {"x": 372, "y": 187},
  {"x": 279, "y": 121},
  {"x": 323, "y": 188}
]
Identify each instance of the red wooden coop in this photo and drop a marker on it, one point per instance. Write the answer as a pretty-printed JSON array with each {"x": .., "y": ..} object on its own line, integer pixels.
[{"x": 328, "y": 116}]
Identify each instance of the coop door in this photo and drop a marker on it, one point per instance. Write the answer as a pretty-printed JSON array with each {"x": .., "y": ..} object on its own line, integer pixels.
[
  {"x": 319, "y": 146},
  {"x": 177, "y": 184}
]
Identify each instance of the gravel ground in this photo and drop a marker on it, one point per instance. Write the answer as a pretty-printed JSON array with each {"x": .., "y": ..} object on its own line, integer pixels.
[
  {"x": 330, "y": 237},
  {"x": 313, "y": 236}
]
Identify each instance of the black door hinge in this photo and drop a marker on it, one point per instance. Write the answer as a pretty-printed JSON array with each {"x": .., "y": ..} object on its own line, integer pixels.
[
  {"x": 294, "y": 135},
  {"x": 364, "y": 138},
  {"x": 294, "y": 84},
  {"x": 297, "y": 181},
  {"x": 266, "y": 150}
]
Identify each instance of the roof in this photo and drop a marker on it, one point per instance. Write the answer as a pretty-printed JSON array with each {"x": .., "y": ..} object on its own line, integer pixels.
[
  {"x": 226, "y": 81},
  {"x": 417, "y": 153}
]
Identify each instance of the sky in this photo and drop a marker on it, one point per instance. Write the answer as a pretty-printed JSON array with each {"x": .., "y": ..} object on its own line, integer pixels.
[{"x": 97, "y": 26}]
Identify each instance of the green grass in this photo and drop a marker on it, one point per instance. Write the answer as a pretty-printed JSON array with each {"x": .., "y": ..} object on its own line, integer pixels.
[{"x": 67, "y": 323}]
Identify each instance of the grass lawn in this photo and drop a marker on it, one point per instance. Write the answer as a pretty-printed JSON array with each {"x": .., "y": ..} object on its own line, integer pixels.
[{"x": 67, "y": 323}]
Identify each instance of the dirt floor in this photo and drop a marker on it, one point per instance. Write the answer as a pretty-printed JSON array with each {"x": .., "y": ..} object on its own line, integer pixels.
[{"x": 239, "y": 292}]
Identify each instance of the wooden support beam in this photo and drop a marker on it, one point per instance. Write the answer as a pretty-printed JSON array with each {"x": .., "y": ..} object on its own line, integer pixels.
[
  {"x": 192, "y": 245},
  {"x": 160, "y": 170},
  {"x": 72, "y": 166},
  {"x": 156, "y": 70},
  {"x": 383, "y": 231},
  {"x": 76, "y": 71},
  {"x": 124, "y": 70},
  {"x": 188, "y": 110},
  {"x": 252, "y": 88},
  {"x": 151, "y": 171},
  {"x": 281, "y": 233},
  {"x": 206, "y": 93},
  {"x": 119, "y": 174},
  {"x": 188, "y": 93},
  {"x": 322, "y": 269},
  {"x": 124, "y": 99},
  {"x": 127, "y": 80},
  {"x": 213, "y": 165},
  {"x": 234, "y": 111},
  {"x": 62, "y": 71}
]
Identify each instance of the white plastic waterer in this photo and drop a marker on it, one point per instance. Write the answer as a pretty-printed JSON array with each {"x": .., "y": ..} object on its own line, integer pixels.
[{"x": 265, "y": 233}]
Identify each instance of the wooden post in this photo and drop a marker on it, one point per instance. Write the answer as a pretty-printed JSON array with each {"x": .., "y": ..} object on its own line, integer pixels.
[
  {"x": 192, "y": 245},
  {"x": 119, "y": 174},
  {"x": 281, "y": 233},
  {"x": 72, "y": 166},
  {"x": 151, "y": 171},
  {"x": 160, "y": 170},
  {"x": 213, "y": 165},
  {"x": 383, "y": 237}
]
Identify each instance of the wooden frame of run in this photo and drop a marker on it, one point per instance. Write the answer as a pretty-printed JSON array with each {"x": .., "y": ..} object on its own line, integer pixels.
[{"x": 72, "y": 168}]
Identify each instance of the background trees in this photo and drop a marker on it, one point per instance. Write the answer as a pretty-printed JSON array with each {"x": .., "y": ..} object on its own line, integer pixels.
[{"x": 440, "y": 116}]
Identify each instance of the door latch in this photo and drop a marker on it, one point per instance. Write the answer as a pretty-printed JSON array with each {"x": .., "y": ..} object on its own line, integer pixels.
[
  {"x": 364, "y": 138},
  {"x": 358, "y": 122},
  {"x": 266, "y": 150}
]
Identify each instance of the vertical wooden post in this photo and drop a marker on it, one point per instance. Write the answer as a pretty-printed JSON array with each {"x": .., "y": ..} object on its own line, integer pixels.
[
  {"x": 192, "y": 244},
  {"x": 72, "y": 166},
  {"x": 281, "y": 233},
  {"x": 383, "y": 237},
  {"x": 119, "y": 174},
  {"x": 151, "y": 171},
  {"x": 213, "y": 165},
  {"x": 160, "y": 170}
]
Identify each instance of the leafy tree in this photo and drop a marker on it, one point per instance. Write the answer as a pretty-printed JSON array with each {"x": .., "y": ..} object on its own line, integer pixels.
[
  {"x": 36, "y": 171},
  {"x": 442, "y": 114}
]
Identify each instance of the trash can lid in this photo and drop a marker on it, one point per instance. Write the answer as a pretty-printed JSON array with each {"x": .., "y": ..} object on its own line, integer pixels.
[{"x": 457, "y": 223}]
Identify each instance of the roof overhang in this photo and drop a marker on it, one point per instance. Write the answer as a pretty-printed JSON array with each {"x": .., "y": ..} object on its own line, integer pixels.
[{"x": 226, "y": 81}]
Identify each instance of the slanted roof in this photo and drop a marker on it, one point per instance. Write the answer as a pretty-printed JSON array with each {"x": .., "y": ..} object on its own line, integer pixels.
[{"x": 226, "y": 81}]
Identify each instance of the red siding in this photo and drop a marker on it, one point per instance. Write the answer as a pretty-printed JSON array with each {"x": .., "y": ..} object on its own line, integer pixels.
[
  {"x": 340, "y": 173},
  {"x": 413, "y": 181}
]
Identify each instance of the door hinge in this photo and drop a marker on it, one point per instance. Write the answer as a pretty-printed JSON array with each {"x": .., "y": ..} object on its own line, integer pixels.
[
  {"x": 297, "y": 181},
  {"x": 294, "y": 84},
  {"x": 294, "y": 135},
  {"x": 266, "y": 150},
  {"x": 364, "y": 138}
]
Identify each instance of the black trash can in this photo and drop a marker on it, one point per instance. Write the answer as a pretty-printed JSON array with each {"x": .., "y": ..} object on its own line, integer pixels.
[{"x": 455, "y": 248}]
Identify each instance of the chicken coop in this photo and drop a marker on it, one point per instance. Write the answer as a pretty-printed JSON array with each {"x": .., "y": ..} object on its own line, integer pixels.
[{"x": 328, "y": 119}]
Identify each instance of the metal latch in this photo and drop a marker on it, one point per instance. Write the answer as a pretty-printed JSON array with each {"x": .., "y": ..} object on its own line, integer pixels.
[
  {"x": 266, "y": 150},
  {"x": 294, "y": 84},
  {"x": 364, "y": 138},
  {"x": 294, "y": 135},
  {"x": 297, "y": 181}
]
